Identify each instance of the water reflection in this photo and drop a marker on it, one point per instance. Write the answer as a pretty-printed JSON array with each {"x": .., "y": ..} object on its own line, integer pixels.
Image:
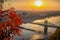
[
  {"x": 29, "y": 35},
  {"x": 35, "y": 37}
]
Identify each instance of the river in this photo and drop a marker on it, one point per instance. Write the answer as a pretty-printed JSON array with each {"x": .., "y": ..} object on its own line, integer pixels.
[{"x": 30, "y": 35}]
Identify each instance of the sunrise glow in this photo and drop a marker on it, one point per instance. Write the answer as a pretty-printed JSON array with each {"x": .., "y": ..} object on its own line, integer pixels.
[{"x": 38, "y": 3}]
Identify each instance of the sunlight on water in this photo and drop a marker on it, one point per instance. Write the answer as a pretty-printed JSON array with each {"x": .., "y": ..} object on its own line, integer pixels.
[
  {"x": 38, "y": 21},
  {"x": 55, "y": 20},
  {"x": 35, "y": 37},
  {"x": 30, "y": 35}
]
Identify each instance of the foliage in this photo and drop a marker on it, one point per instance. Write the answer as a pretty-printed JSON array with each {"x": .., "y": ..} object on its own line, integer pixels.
[{"x": 9, "y": 24}]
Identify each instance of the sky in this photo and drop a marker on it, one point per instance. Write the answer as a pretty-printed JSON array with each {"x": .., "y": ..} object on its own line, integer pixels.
[{"x": 30, "y": 4}]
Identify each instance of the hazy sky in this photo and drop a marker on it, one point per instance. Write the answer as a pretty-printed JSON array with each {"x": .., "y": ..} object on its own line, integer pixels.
[{"x": 29, "y": 4}]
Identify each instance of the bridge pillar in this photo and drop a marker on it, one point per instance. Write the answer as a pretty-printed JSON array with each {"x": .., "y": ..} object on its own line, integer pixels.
[{"x": 45, "y": 27}]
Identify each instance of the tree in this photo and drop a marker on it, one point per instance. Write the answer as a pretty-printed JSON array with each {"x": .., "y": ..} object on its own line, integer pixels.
[{"x": 9, "y": 24}]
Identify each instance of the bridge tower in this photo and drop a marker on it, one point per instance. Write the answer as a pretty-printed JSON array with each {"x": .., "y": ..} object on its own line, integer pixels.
[{"x": 45, "y": 27}]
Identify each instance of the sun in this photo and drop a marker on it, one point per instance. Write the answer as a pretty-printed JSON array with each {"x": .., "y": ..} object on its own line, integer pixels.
[{"x": 38, "y": 3}]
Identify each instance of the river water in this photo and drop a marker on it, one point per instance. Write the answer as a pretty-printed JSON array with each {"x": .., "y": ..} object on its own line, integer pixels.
[{"x": 30, "y": 35}]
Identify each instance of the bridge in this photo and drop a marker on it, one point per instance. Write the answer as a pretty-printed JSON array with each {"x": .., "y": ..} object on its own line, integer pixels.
[{"x": 44, "y": 24}]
